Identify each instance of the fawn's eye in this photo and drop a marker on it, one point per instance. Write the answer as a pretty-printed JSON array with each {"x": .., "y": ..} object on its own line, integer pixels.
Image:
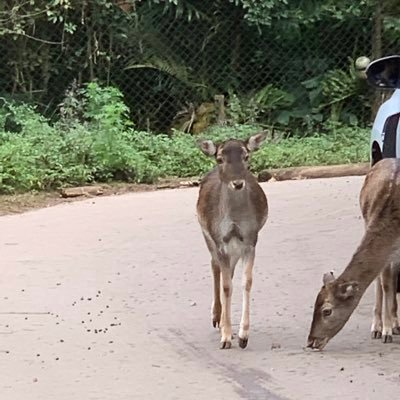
[
  {"x": 220, "y": 160},
  {"x": 327, "y": 312}
]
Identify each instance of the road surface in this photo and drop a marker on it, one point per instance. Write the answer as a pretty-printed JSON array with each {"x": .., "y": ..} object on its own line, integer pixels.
[{"x": 110, "y": 298}]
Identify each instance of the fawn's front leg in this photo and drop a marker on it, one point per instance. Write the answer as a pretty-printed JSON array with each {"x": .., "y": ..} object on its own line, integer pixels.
[
  {"x": 247, "y": 280},
  {"x": 226, "y": 300}
]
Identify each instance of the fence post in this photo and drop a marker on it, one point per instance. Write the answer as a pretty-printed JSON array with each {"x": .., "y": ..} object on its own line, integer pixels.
[{"x": 219, "y": 101}]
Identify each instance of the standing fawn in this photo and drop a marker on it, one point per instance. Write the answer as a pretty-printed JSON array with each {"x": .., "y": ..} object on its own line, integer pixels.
[
  {"x": 379, "y": 247},
  {"x": 231, "y": 208}
]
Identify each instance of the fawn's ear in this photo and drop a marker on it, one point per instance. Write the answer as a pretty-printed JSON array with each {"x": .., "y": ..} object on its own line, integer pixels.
[
  {"x": 208, "y": 147},
  {"x": 328, "y": 277},
  {"x": 254, "y": 142}
]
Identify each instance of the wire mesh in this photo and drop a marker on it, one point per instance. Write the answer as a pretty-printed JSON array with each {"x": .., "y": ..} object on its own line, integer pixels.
[{"x": 182, "y": 72}]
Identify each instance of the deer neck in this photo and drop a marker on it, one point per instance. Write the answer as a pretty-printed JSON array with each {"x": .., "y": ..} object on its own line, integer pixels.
[
  {"x": 373, "y": 254},
  {"x": 234, "y": 201}
]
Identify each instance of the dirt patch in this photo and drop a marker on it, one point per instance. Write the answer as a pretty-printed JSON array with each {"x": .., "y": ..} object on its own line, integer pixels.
[
  {"x": 14, "y": 204},
  {"x": 18, "y": 203}
]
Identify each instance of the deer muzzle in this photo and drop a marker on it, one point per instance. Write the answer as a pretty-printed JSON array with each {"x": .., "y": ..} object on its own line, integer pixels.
[{"x": 238, "y": 184}]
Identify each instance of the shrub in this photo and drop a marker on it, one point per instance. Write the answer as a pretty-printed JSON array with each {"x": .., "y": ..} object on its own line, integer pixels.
[{"x": 98, "y": 143}]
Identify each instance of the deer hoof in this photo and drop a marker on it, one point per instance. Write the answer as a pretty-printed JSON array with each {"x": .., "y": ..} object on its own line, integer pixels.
[
  {"x": 376, "y": 335},
  {"x": 226, "y": 345},
  {"x": 396, "y": 330},
  {"x": 215, "y": 323},
  {"x": 243, "y": 342},
  {"x": 387, "y": 339}
]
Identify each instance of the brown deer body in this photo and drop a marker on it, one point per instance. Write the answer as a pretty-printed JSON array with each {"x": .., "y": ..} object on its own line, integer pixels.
[
  {"x": 337, "y": 299},
  {"x": 231, "y": 208}
]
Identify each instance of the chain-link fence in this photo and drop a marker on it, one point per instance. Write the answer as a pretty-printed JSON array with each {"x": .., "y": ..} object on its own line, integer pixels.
[{"x": 190, "y": 68}]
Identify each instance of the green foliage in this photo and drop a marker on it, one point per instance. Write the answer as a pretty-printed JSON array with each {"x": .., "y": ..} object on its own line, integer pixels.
[
  {"x": 167, "y": 53},
  {"x": 104, "y": 108},
  {"x": 295, "y": 13},
  {"x": 266, "y": 106},
  {"x": 103, "y": 146},
  {"x": 345, "y": 145},
  {"x": 40, "y": 156}
]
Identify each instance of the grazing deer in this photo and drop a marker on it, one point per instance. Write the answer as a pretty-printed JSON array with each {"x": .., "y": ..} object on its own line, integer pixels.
[
  {"x": 386, "y": 288},
  {"x": 337, "y": 299},
  {"x": 231, "y": 208}
]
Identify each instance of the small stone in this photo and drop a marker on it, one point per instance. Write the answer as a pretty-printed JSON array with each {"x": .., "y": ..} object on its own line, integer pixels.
[
  {"x": 192, "y": 304},
  {"x": 275, "y": 346},
  {"x": 35, "y": 380},
  {"x": 342, "y": 369}
]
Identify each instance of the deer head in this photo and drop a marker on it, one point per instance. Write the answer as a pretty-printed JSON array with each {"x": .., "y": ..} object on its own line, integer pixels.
[
  {"x": 232, "y": 157},
  {"x": 334, "y": 304}
]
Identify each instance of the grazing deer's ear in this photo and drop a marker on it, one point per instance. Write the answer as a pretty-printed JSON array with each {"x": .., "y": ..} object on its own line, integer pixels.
[
  {"x": 328, "y": 277},
  {"x": 347, "y": 290},
  {"x": 254, "y": 142},
  {"x": 208, "y": 147}
]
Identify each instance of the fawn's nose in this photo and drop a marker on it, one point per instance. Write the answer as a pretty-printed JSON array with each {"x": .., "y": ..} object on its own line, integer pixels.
[{"x": 238, "y": 184}]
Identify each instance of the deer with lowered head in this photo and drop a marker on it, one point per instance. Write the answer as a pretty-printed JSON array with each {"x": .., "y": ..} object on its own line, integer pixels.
[
  {"x": 231, "y": 209},
  {"x": 379, "y": 247}
]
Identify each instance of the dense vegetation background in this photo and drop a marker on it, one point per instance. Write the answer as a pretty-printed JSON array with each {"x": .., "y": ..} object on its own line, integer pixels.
[{"x": 100, "y": 89}]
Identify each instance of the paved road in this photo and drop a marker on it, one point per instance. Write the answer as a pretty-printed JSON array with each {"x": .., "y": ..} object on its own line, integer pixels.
[{"x": 110, "y": 299}]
